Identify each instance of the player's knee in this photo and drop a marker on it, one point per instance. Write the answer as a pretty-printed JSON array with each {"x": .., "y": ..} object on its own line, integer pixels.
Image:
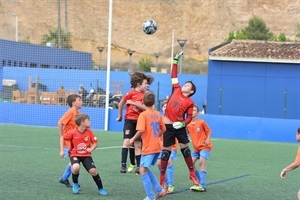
[
  {"x": 126, "y": 143},
  {"x": 93, "y": 171},
  {"x": 138, "y": 144},
  {"x": 165, "y": 155},
  {"x": 75, "y": 168},
  {"x": 186, "y": 152}
]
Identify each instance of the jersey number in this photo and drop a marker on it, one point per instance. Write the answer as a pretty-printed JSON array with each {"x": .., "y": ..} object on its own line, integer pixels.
[{"x": 155, "y": 127}]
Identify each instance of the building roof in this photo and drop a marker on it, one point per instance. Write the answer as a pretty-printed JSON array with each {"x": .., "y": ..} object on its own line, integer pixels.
[{"x": 257, "y": 51}]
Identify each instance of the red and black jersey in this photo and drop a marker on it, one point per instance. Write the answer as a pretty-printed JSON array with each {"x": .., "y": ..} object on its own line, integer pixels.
[
  {"x": 132, "y": 112},
  {"x": 80, "y": 142}
]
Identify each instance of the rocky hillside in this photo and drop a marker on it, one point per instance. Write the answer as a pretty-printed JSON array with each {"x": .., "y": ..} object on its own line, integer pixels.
[{"x": 203, "y": 23}]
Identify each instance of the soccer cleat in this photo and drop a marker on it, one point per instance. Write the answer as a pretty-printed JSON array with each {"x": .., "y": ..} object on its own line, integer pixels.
[
  {"x": 177, "y": 57},
  {"x": 171, "y": 189},
  {"x": 123, "y": 169},
  {"x": 130, "y": 168},
  {"x": 137, "y": 171},
  {"x": 103, "y": 192},
  {"x": 75, "y": 188},
  {"x": 65, "y": 182},
  {"x": 147, "y": 198},
  {"x": 160, "y": 194},
  {"x": 197, "y": 188}
]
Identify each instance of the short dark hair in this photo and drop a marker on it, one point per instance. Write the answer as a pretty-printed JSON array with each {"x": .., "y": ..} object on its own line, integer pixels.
[
  {"x": 80, "y": 118},
  {"x": 298, "y": 130},
  {"x": 149, "y": 99},
  {"x": 71, "y": 98},
  {"x": 196, "y": 107},
  {"x": 193, "y": 87}
]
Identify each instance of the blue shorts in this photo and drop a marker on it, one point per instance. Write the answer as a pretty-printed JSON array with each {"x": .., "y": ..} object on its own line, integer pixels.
[
  {"x": 149, "y": 159},
  {"x": 173, "y": 155},
  {"x": 66, "y": 152},
  {"x": 202, "y": 154}
]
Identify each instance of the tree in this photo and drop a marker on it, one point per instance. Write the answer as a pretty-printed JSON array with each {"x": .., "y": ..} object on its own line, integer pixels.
[
  {"x": 239, "y": 35},
  {"x": 53, "y": 37},
  {"x": 257, "y": 29},
  {"x": 145, "y": 64}
]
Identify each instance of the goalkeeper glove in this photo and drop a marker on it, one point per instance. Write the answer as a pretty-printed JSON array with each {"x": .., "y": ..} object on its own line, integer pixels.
[
  {"x": 177, "y": 57},
  {"x": 178, "y": 125}
]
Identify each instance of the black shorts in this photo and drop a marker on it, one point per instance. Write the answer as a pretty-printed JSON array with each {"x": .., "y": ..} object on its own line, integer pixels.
[
  {"x": 171, "y": 133},
  {"x": 130, "y": 129},
  {"x": 87, "y": 162}
]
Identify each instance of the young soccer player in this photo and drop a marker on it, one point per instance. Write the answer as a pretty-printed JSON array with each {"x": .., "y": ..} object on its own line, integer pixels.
[
  {"x": 178, "y": 114},
  {"x": 294, "y": 164},
  {"x": 150, "y": 127},
  {"x": 83, "y": 142},
  {"x": 65, "y": 124},
  {"x": 169, "y": 180},
  {"x": 200, "y": 134},
  {"x": 134, "y": 106}
]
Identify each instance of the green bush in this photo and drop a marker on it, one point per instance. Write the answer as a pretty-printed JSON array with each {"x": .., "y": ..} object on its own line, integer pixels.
[{"x": 145, "y": 64}]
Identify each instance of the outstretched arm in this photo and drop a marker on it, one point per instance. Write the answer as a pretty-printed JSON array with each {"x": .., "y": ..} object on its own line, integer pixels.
[
  {"x": 174, "y": 70},
  {"x": 292, "y": 166}
]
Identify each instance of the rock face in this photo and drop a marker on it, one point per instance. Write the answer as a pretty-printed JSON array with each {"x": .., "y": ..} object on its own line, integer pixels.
[{"x": 203, "y": 23}]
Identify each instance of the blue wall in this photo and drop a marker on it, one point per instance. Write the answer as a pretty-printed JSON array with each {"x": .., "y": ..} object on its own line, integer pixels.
[
  {"x": 20, "y": 54},
  {"x": 252, "y": 128},
  {"x": 254, "y": 89},
  {"x": 230, "y": 127},
  {"x": 1, "y": 75},
  {"x": 44, "y": 115}
]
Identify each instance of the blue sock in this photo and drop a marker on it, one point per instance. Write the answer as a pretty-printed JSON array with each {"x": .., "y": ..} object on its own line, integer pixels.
[
  {"x": 154, "y": 181},
  {"x": 147, "y": 186},
  {"x": 198, "y": 175},
  {"x": 67, "y": 173},
  {"x": 170, "y": 176},
  {"x": 203, "y": 178}
]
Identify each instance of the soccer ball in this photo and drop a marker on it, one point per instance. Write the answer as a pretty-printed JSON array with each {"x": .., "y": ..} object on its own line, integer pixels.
[{"x": 149, "y": 26}]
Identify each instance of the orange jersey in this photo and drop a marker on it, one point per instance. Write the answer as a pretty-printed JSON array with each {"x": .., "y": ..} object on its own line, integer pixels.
[
  {"x": 297, "y": 160},
  {"x": 132, "y": 112},
  {"x": 68, "y": 121},
  {"x": 199, "y": 131},
  {"x": 80, "y": 142},
  {"x": 151, "y": 122}
]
